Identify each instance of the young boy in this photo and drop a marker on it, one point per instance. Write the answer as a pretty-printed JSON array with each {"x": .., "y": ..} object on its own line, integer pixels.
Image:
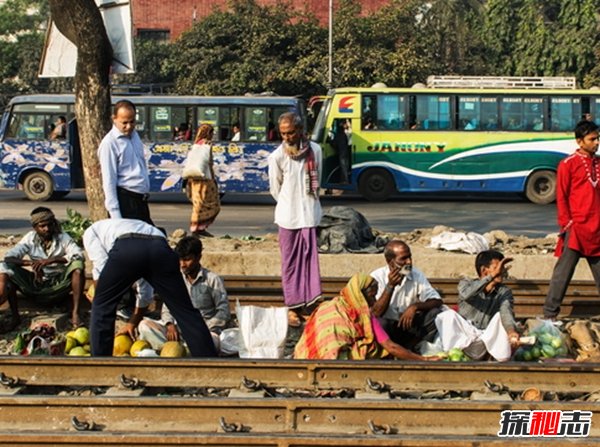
[
  {"x": 485, "y": 321},
  {"x": 578, "y": 207}
]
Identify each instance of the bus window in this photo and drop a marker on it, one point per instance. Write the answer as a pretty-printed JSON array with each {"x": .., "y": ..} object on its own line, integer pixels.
[
  {"x": 431, "y": 112},
  {"x": 563, "y": 113},
  {"x": 255, "y": 121},
  {"x": 489, "y": 112},
  {"x": 533, "y": 113},
  {"x": 140, "y": 122},
  {"x": 208, "y": 115},
  {"x": 390, "y": 112},
  {"x": 369, "y": 109},
  {"x": 228, "y": 116},
  {"x": 469, "y": 112},
  {"x": 163, "y": 120},
  {"x": 594, "y": 112},
  {"x": 511, "y": 109},
  {"x": 35, "y": 121}
]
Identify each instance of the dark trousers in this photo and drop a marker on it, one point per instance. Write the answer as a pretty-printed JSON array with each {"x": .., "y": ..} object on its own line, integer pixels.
[
  {"x": 151, "y": 258},
  {"x": 133, "y": 205},
  {"x": 423, "y": 328},
  {"x": 561, "y": 277}
]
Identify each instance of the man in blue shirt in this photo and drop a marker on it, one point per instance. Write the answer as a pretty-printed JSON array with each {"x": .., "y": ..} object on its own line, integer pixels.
[{"x": 124, "y": 170}]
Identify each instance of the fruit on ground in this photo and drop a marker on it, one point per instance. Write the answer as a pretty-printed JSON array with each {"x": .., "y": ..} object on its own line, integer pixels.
[
  {"x": 172, "y": 349},
  {"x": 82, "y": 335},
  {"x": 122, "y": 345},
  {"x": 70, "y": 343},
  {"x": 138, "y": 346},
  {"x": 78, "y": 351}
]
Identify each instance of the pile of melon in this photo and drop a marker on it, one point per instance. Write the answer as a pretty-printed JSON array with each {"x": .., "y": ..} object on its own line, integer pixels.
[
  {"x": 77, "y": 342},
  {"x": 124, "y": 346}
]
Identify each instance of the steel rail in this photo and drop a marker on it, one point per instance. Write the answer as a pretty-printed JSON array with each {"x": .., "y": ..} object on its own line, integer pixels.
[
  {"x": 118, "y": 439},
  {"x": 269, "y": 415},
  {"x": 581, "y": 298},
  {"x": 17, "y": 371}
]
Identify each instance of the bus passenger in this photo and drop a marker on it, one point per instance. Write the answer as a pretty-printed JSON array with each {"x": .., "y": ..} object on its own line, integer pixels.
[
  {"x": 59, "y": 132},
  {"x": 294, "y": 175},
  {"x": 406, "y": 304},
  {"x": 344, "y": 328},
  {"x": 485, "y": 321},
  {"x": 235, "y": 129},
  {"x": 124, "y": 170},
  {"x": 56, "y": 265},
  {"x": 183, "y": 132}
]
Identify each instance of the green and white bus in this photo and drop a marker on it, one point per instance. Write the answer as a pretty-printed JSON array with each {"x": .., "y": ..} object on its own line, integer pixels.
[{"x": 457, "y": 134}]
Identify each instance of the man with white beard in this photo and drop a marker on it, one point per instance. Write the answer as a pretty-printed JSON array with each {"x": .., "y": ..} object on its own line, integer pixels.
[{"x": 294, "y": 176}]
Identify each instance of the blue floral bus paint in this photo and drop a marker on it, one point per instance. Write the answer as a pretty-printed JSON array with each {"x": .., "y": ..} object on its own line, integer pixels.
[{"x": 43, "y": 168}]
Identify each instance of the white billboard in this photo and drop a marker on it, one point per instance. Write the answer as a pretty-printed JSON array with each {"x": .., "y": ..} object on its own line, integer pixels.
[{"x": 60, "y": 54}]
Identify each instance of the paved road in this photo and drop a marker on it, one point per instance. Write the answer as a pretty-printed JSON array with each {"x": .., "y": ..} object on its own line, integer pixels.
[{"x": 253, "y": 214}]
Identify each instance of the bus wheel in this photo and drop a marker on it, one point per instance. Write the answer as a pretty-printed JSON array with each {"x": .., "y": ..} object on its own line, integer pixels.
[
  {"x": 376, "y": 185},
  {"x": 541, "y": 187},
  {"x": 38, "y": 186}
]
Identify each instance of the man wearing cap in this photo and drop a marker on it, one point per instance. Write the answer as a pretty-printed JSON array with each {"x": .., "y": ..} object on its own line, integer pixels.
[
  {"x": 122, "y": 252},
  {"x": 55, "y": 267}
]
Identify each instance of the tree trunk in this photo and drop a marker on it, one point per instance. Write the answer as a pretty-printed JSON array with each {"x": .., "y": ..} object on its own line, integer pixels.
[{"x": 80, "y": 21}]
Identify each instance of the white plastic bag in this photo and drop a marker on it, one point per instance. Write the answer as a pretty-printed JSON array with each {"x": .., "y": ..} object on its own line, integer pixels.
[
  {"x": 197, "y": 162},
  {"x": 471, "y": 242},
  {"x": 230, "y": 341},
  {"x": 263, "y": 331}
]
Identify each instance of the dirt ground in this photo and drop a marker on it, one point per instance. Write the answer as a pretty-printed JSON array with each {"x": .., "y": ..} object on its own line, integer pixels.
[{"x": 533, "y": 259}]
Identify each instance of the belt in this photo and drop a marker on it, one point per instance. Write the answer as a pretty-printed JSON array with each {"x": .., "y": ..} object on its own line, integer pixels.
[
  {"x": 137, "y": 195},
  {"x": 140, "y": 236}
]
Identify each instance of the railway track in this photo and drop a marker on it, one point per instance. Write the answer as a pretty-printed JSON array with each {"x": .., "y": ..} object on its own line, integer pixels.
[
  {"x": 116, "y": 401},
  {"x": 581, "y": 299},
  {"x": 64, "y": 401}
]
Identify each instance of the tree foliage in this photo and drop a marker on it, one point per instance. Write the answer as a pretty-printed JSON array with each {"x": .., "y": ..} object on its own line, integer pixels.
[{"x": 246, "y": 47}]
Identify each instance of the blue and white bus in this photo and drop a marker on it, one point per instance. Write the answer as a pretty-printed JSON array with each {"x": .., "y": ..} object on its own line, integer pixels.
[{"x": 43, "y": 167}]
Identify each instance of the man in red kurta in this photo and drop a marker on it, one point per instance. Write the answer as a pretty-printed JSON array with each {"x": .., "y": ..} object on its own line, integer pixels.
[{"x": 578, "y": 204}]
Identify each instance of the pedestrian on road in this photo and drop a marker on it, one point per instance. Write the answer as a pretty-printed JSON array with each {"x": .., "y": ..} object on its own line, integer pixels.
[
  {"x": 294, "y": 176},
  {"x": 125, "y": 178},
  {"x": 201, "y": 185},
  {"x": 578, "y": 208},
  {"x": 123, "y": 251}
]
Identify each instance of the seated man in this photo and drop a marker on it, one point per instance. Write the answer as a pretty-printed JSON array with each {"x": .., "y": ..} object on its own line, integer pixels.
[
  {"x": 406, "y": 303},
  {"x": 56, "y": 263},
  {"x": 485, "y": 322},
  {"x": 206, "y": 291}
]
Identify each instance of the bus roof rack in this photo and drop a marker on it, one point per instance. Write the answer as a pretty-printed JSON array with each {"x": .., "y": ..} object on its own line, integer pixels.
[{"x": 524, "y": 82}]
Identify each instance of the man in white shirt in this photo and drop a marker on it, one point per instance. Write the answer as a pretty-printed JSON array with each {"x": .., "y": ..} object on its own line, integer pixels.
[
  {"x": 406, "y": 304},
  {"x": 123, "y": 251},
  {"x": 124, "y": 170},
  {"x": 294, "y": 176},
  {"x": 56, "y": 266}
]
